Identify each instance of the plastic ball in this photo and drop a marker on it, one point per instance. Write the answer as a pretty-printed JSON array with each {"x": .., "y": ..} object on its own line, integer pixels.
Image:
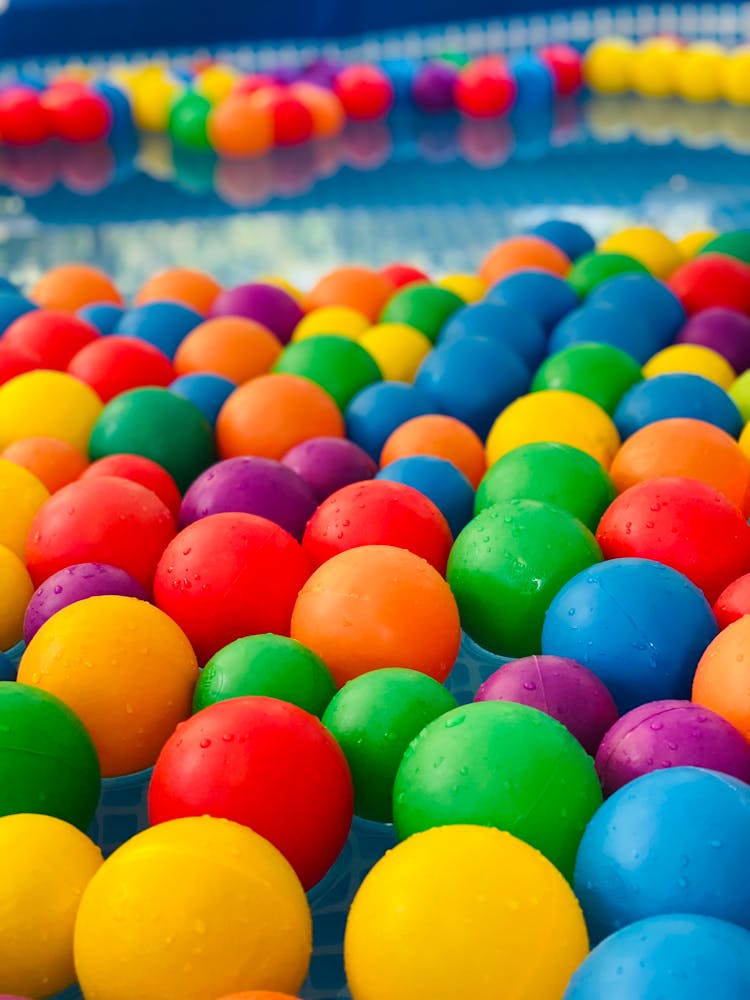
[
  {"x": 423, "y": 306},
  {"x": 113, "y": 365},
  {"x": 468, "y": 287},
  {"x": 14, "y": 362},
  {"x": 238, "y": 128},
  {"x": 733, "y": 602},
  {"x": 375, "y": 413},
  {"x": 23, "y": 118},
  {"x": 54, "y": 463},
  {"x": 697, "y": 72},
  {"x": 328, "y": 464},
  {"x": 272, "y": 413},
  {"x": 641, "y": 295},
  {"x": 141, "y": 470},
  {"x": 604, "y": 324},
  {"x": 692, "y": 244},
  {"x": 433, "y": 86},
  {"x": 607, "y": 65},
  {"x": 103, "y": 315},
  {"x": 720, "y": 680},
  {"x": 47, "y": 404},
  {"x": 193, "y": 289},
  {"x": 499, "y": 895},
  {"x": 507, "y": 325},
  {"x": 163, "y": 324},
  {"x": 442, "y": 437},
  {"x": 676, "y": 395},
  {"x": 188, "y": 118},
  {"x": 70, "y": 287},
  {"x": 566, "y": 65},
  {"x": 216, "y": 81},
  {"x": 535, "y": 84},
  {"x": 543, "y": 296},
  {"x": 52, "y": 338},
  {"x": 336, "y": 364},
  {"x": 237, "y": 348},
  {"x": 230, "y": 925},
  {"x": 36, "y": 944},
  {"x": 485, "y": 88},
  {"x": 397, "y": 349},
  {"x": 77, "y": 114},
  {"x": 640, "y": 626},
  {"x": 554, "y": 415},
  {"x": 733, "y": 77},
  {"x": 22, "y": 496},
  {"x": 693, "y": 359},
  {"x": 365, "y": 92},
  {"x": 356, "y": 287},
  {"x": 712, "y": 279},
  {"x": 207, "y": 392},
  {"x": 599, "y": 372},
  {"x": 16, "y": 589},
  {"x": 571, "y": 238},
  {"x": 656, "y": 840},
  {"x": 654, "y": 65},
  {"x": 267, "y": 304},
  {"x": 325, "y": 108},
  {"x": 13, "y": 305},
  {"x": 343, "y": 321},
  {"x": 593, "y": 269},
  {"x": 722, "y": 330},
  {"x": 440, "y": 481},
  {"x": 291, "y": 782},
  {"x": 401, "y": 275},
  {"x": 159, "y": 425},
  {"x": 521, "y": 253},
  {"x": 648, "y": 246}
]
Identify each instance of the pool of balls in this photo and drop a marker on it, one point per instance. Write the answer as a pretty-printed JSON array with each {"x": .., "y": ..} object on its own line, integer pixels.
[{"x": 383, "y": 638}]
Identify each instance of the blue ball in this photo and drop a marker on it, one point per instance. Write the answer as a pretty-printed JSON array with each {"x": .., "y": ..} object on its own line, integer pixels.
[
  {"x": 375, "y": 413},
  {"x": 473, "y": 379},
  {"x": 122, "y": 114},
  {"x": 401, "y": 74},
  {"x": 672, "y": 841},
  {"x": 440, "y": 481},
  {"x": 677, "y": 394},
  {"x": 8, "y": 669},
  {"x": 7, "y": 286},
  {"x": 603, "y": 324},
  {"x": 671, "y": 957},
  {"x": 163, "y": 324},
  {"x": 572, "y": 239},
  {"x": 105, "y": 316},
  {"x": 646, "y": 297},
  {"x": 639, "y": 625},
  {"x": 12, "y": 305},
  {"x": 535, "y": 88},
  {"x": 543, "y": 296},
  {"x": 504, "y": 324},
  {"x": 206, "y": 391}
]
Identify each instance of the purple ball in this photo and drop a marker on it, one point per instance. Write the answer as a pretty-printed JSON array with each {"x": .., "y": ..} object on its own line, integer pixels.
[
  {"x": 723, "y": 330},
  {"x": 327, "y": 464},
  {"x": 323, "y": 72},
  {"x": 251, "y": 485},
  {"x": 284, "y": 75},
  {"x": 432, "y": 89},
  {"x": 559, "y": 687},
  {"x": 76, "y": 583},
  {"x": 266, "y": 304},
  {"x": 671, "y": 733}
]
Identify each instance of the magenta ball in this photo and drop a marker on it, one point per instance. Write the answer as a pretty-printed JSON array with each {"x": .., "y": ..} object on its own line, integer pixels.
[
  {"x": 671, "y": 733},
  {"x": 328, "y": 464},
  {"x": 432, "y": 89},
  {"x": 723, "y": 330},
  {"x": 268, "y": 305},
  {"x": 559, "y": 687},
  {"x": 77, "y": 583},
  {"x": 251, "y": 485}
]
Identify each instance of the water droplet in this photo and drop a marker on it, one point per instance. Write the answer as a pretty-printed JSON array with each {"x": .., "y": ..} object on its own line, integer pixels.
[{"x": 205, "y": 744}]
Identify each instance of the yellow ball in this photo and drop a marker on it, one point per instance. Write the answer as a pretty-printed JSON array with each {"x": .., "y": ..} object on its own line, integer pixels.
[
  {"x": 693, "y": 359},
  {"x": 152, "y": 97},
  {"x": 554, "y": 415},
  {"x": 48, "y": 404},
  {"x": 653, "y": 67},
  {"x": 734, "y": 76},
  {"x": 692, "y": 244},
  {"x": 398, "y": 349},
  {"x": 192, "y": 909},
  {"x": 16, "y": 589},
  {"x": 653, "y": 249},
  {"x": 607, "y": 65},
  {"x": 21, "y": 496},
  {"x": 739, "y": 390},
  {"x": 468, "y": 287},
  {"x": 216, "y": 82},
  {"x": 339, "y": 320},
  {"x": 287, "y": 286},
  {"x": 45, "y": 865},
  {"x": 463, "y": 913},
  {"x": 698, "y": 72}
]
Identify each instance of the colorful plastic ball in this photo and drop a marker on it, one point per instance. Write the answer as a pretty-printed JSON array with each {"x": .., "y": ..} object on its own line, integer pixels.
[
  {"x": 163, "y": 324},
  {"x": 238, "y": 128},
  {"x": 440, "y": 481},
  {"x": 54, "y": 463},
  {"x": 433, "y": 86},
  {"x": 232, "y": 346},
  {"x": 77, "y": 114},
  {"x": 267, "y": 304},
  {"x": 36, "y": 944},
  {"x": 23, "y": 118},
  {"x": 423, "y": 306},
  {"x": 293, "y": 122},
  {"x": 290, "y": 779},
  {"x": 159, "y": 425},
  {"x": 48, "y": 404},
  {"x": 216, "y": 82},
  {"x": 598, "y": 371},
  {"x": 570, "y": 237},
  {"x": 733, "y": 602},
  {"x": 653, "y": 69},
  {"x": 645, "y": 297},
  {"x": 22, "y": 496},
  {"x": 328, "y": 464},
  {"x": 188, "y": 119},
  {"x": 325, "y": 108},
  {"x": 672, "y": 956},
  {"x": 544, "y": 297},
  {"x": 560, "y": 688},
  {"x": 103, "y": 315},
  {"x": 687, "y": 448},
  {"x": 676, "y": 395},
  {"x": 336, "y": 364},
  {"x": 14, "y": 362},
  {"x": 499, "y": 895},
  {"x": 343, "y": 321},
  {"x": 521, "y": 253},
  {"x": 648, "y": 246},
  {"x": 722, "y": 330},
  {"x": 13, "y": 305},
  {"x": 655, "y": 839},
  {"x": 739, "y": 391},
  {"x": 735, "y": 243},
  {"x": 697, "y": 72},
  {"x": 692, "y": 244},
  {"x": 468, "y": 287},
  {"x": 593, "y": 269},
  {"x": 365, "y": 92},
  {"x": 733, "y": 77},
  {"x": 375, "y": 413},
  {"x": 663, "y": 734},
  {"x": 640, "y": 626},
  {"x": 720, "y": 681},
  {"x": 52, "y": 338},
  {"x": 499, "y": 764},
  {"x": 607, "y": 65},
  {"x": 535, "y": 84},
  {"x": 230, "y": 925},
  {"x": 141, "y": 470},
  {"x": 359, "y": 288},
  {"x": 566, "y": 65},
  {"x": 508, "y": 325},
  {"x": 397, "y": 349},
  {"x": 206, "y": 391},
  {"x": 694, "y": 359},
  {"x": 485, "y": 88},
  {"x": 194, "y": 289},
  {"x": 710, "y": 280},
  {"x": 113, "y": 365},
  {"x": 17, "y": 589},
  {"x": 607, "y": 325},
  {"x": 70, "y": 287},
  {"x": 442, "y": 437}
]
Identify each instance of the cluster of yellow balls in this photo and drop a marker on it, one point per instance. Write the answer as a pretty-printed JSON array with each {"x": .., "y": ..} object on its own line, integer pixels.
[{"x": 702, "y": 72}]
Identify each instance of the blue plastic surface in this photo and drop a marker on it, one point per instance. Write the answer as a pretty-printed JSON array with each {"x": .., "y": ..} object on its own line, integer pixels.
[
  {"x": 12, "y": 306},
  {"x": 571, "y": 238},
  {"x": 511, "y": 326},
  {"x": 103, "y": 315},
  {"x": 645, "y": 296},
  {"x": 376, "y": 411},
  {"x": 604, "y": 324},
  {"x": 677, "y": 394},
  {"x": 544, "y": 296},
  {"x": 163, "y": 324},
  {"x": 205, "y": 390}
]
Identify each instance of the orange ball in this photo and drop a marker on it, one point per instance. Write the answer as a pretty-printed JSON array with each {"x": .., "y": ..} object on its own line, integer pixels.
[
  {"x": 378, "y": 606},
  {"x": 685, "y": 447},
  {"x": 443, "y": 437},
  {"x": 72, "y": 286},
  {"x": 259, "y": 995},
  {"x": 326, "y": 109},
  {"x": 520, "y": 253},
  {"x": 239, "y": 349},
  {"x": 239, "y": 129},
  {"x": 180, "y": 284},
  {"x": 722, "y": 682},
  {"x": 55, "y": 463},
  {"x": 359, "y": 288},
  {"x": 271, "y": 414}
]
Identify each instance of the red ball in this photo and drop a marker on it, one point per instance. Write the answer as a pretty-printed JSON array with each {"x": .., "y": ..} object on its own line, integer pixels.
[
  {"x": 51, "y": 337},
  {"x": 228, "y": 576},
  {"x": 566, "y": 65},
  {"x": 112, "y": 365},
  {"x": 139, "y": 469},
  {"x": 23, "y": 119},
  {"x": 712, "y": 280},
  {"x": 266, "y": 764},
  {"x": 733, "y": 602},
  {"x": 14, "y": 361},
  {"x": 683, "y": 523},
  {"x": 292, "y": 122},
  {"x": 401, "y": 275},
  {"x": 378, "y": 512},
  {"x": 485, "y": 88},
  {"x": 77, "y": 114},
  {"x": 365, "y": 92},
  {"x": 102, "y": 519}
]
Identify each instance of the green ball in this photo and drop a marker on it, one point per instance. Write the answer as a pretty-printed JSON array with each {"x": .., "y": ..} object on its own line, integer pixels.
[
  {"x": 593, "y": 268},
  {"x": 457, "y": 59},
  {"x": 269, "y": 665},
  {"x": 599, "y": 371},
  {"x": 739, "y": 390},
  {"x": 507, "y": 565},
  {"x": 374, "y": 718},
  {"x": 339, "y": 365},
  {"x": 188, "y": 120},
  {"x": 500, "y": 764},
  {"x": 158, "y": 425},
  {"x": 425, "y": 307},
  {"x": 733, "y": 244},
  {"x": 48, "y": 763},
  {"x": 551, "y": 473}
]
